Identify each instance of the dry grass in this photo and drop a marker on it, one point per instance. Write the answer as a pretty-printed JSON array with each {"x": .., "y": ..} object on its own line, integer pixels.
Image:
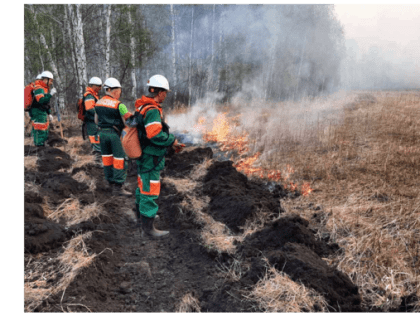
[
  {"x": 184, "y": 185},
  {"x": 188, "y": 304},
  {"x": 41, "y": 276},
  {"x": 30, "y": 162},
  {"x": 200, "y": 170},
  {"x": 364, "y": 166},
  {"x": 72, "y": 213},
  {"x": 215, "y": 235},
  {"x": 276, "y": 292},
  {"x": 86, "y": 179}
]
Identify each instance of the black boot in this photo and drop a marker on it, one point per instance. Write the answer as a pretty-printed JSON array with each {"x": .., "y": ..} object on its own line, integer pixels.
[
  {"x": 136, "y": 210},
  {"x": 148, "y": 228},
  {"x": 118, "y": 190}
]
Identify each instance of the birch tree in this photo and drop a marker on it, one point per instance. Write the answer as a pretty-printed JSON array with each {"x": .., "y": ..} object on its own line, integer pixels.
[
  {"x": 210, "y": 75},
  {"x": 54, "y": 70},
  {"x": 191, "y": 50},
  {"x": 80, "y": 47},
  {"x": 108, "y": 42},
  {"x": 132, "y": 54},
  {"x": 173, "y": 50}
]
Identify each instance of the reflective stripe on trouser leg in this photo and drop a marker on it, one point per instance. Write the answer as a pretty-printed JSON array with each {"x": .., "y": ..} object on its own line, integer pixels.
[
  {"x": 108, "y": 161},
  {"x": 40, "y": 126},
  {"x": 149, "y": 190},
  {"x": 92, "y": 131},
  {"x": 115, "y": 172}
]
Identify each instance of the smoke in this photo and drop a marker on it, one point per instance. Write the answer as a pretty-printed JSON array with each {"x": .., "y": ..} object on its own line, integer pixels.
[
  {"x": 381, "y": 46},
  {"x": 277, "y": 51}
]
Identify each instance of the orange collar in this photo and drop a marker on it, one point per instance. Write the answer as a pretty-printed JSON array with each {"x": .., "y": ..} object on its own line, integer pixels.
[
  {"x": 146, "y": 101},
  {"x": 41, "y": 83},
  {"x": 92, "y": 91}
]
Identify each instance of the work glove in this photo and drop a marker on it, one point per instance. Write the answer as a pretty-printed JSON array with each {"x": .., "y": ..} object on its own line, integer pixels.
[
  {"x": 178, "y": 146},
  {"x": 53, "y": 91},
  {"x": 51, "y": 117}
]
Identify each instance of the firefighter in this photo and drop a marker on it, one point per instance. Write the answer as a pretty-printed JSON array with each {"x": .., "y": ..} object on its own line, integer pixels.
[
  {"x": 110, "y": 114},
  {"x": 89, "y": 100},
  {"x": 40, "y": 111},
  {"x": 154, "y": 147}
]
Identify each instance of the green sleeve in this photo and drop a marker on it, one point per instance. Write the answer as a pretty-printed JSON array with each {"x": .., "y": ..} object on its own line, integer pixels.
[
  {"x": 162, "y": 139},
  {"x": 43, "y": 100}
]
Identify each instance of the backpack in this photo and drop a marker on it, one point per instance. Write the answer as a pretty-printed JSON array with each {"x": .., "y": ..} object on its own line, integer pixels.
[
  {"x": 28, "y": 93},
  {"x": 81, "y": 112},
  {"x": 132, "y": 134}
]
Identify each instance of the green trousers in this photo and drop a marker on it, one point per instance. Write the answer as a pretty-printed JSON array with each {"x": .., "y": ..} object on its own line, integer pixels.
[
  {"x": 92, "y": 131},
  {"x": 40, "y": 126},
  {"x": 113, "y": 156},
  {"x": 148, "y": 179}
]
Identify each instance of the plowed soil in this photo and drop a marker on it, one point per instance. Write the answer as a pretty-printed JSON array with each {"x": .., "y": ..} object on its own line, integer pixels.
[{"x": 131, "y": 273}]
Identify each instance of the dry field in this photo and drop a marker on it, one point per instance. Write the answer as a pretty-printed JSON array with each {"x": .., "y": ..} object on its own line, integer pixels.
[
  {"x": 364, "y": 168},
  {"x": 361, "y": 156}
]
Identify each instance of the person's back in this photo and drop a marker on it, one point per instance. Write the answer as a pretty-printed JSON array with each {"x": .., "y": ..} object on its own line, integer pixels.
[{"x": 109, "y": 114}]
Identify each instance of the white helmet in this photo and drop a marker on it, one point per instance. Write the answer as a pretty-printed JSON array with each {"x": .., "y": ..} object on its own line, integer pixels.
[
  {"x": 47, "y": 74},
  {"x": 95, "y": 81},
  {"x": 39, "y": 77},
  {"x": 159, "y": 81},
  {"x": 111, "y": 83}
]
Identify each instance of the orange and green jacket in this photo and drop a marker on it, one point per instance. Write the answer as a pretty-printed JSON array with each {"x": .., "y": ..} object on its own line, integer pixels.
[
  {"x": 89, "y": 100},
  {"x": 42, "y": 97},
  {"x": 110, "y": 112},
  {"x": 157, "y": 132}
]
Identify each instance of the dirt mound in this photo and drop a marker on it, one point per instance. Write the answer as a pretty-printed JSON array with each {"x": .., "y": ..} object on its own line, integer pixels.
[
  {"x": 42, "y": 235},
  {"x": 179, "y": 165},
  {"x": 291, "y": 247},
  {"x": 288, "y": 229},
  {"x": 59, "y": 186},
  {"x": 235, "y": 198},
  {"x": 49, "y": 159}
]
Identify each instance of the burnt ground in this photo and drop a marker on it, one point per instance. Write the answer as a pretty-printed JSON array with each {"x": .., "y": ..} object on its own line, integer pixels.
[{"x": 132, "y": 274}]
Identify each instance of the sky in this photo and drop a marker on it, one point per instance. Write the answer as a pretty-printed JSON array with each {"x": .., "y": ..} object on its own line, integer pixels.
[{"x": 394, "y": 28}]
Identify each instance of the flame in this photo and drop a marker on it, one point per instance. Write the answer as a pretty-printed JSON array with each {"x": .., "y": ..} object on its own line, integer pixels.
[
  {"x": 306, "y": 189},
  {"x": 220, "y": 129},
  {"x": 223, "y": 134}
]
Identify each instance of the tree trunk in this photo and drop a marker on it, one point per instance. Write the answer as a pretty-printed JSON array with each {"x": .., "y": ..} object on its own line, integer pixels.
[
  {"x": 54, "y": 70},
  {"x": 108, "y": 43},
  {"x": 210, "y": 74},
  {"x": 133, "y": 59},
  {"x": 190, "y": 66},
  {"x": 174, "y": 82},
  {"x": 81, "y": 47},
  {"x": 69, "y": 39},
  {"x": 75, "y": 49}
]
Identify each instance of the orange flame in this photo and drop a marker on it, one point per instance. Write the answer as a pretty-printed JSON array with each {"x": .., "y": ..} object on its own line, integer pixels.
[
  {"x": 220, "y": 129},
  {"x": 306, "y": 189},
  {"x": 222, "y": 133}
]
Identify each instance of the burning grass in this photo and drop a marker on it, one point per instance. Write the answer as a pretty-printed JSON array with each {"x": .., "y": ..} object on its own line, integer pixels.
[
  {"x": 357, "y": 155},
  {"x": 364, "y": 171},
  {"x": 276, "y": 292}
]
